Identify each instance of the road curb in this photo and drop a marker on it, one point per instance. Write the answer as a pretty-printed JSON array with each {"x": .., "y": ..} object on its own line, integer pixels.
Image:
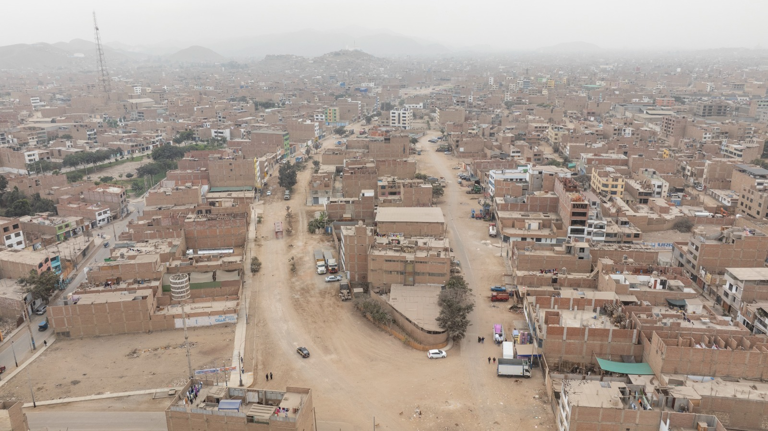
[
  {"x": 98, "y": 397},
  {"x": 40, "y": 351}
]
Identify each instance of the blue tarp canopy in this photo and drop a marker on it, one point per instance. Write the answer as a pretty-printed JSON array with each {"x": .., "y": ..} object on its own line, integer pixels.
[
  {"x": 233, "y": 405},
  {"x": 641, "y": 369}
]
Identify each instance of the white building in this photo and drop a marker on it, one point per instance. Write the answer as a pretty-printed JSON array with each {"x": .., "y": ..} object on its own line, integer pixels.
[{"x": 401, "y": 118}]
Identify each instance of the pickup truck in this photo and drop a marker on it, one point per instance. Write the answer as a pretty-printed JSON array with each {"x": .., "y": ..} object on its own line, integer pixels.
[{"x": 499, "y": 297}]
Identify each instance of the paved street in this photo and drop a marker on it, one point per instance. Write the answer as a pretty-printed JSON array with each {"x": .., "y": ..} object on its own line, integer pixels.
[
  {"x": 82, "y": 421},
  {"x": 22, "y": 343}
]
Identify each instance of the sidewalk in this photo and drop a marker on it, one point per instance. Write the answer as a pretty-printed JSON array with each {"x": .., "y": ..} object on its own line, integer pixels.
[
  {"x": 40, "y": 350},
  {"x": 98, "y": 397}
]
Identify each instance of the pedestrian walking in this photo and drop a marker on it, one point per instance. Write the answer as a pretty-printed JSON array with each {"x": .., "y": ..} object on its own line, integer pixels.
[
  {"x": 45, "y": 343},
  {"x": 494, "y": 360},
  {"x": 267, "y": 377},
  {"x": 478, "y": 339},
  {"x": 489, "y": 360},
  {"x": 270, "y": 376}
]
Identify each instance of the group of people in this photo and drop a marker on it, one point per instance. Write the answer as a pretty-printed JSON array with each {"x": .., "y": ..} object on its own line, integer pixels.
[
  {"x": 193, "y": 391},
  {"x": 481, "y": 339},
  {"x": 548, "y": 271},
  {"x": 489, "y": 360},
  {"x": 269, "y": 376}
]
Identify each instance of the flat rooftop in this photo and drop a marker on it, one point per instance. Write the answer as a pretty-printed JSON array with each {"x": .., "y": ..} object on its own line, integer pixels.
[
  {"x": 418, "y": 303},
  {"x": 105, "y": 296},
  {"x": 749, "y": 274},
  {"x": 410, "y": 214},
  {"x": 589, "y": 393}
]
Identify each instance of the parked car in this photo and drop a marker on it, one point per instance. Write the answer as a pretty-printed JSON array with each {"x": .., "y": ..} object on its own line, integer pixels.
[
  {"x": 436, "y": 354},
  {"x": 41, "y": 310},
  {"x": 42, "y": 326},
  {"x": 332, "y": 278},
  {"x": 303, "y": 352},
  {"x": 498, "y": 289},
  {"x": 287, "y": 195},
  {"x": 269, "y": 192},
  {"x": 433, "y": 140}
]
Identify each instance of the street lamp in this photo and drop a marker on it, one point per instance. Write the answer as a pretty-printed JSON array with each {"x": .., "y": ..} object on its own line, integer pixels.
[{"x": 14, "y": 354}]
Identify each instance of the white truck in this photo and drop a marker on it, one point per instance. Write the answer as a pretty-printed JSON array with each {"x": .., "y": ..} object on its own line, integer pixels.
[
  {"x": 513, "y": 368},
  {"x": 508, "y": 350},
  {"x": 333, "y": 267},
  {"x": 492, "y": 230},
  {"x": 498, "y": 333},
  {"x": 320, "y": 262}
]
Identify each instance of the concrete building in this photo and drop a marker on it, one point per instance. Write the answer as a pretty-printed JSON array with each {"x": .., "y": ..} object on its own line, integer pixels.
[
  {"x": 112, "y": 196},
  {"x": 753, "y": 203},
  {"x": 394, "y": 259},
  {"x": 711, "y": 109},
  {"x": 18, "y": 263},
  {"x": 12, "y": 418},
  {"x": 354, "y": 243},
  {"x": 13, "y": 235},
  {"x": 408, "y": 222},
  {"x": 607, "y": 182},
  {"x": 221, "y": 408},
  {"x": 401, "y": 117},
  {"x": 745, "y": 285},
  {"x": 96, "y": 215},
  {"x": 392, "y": 191}
]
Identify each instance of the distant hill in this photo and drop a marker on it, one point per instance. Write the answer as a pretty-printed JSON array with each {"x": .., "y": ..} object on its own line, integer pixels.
[
  {"x": 197, "y": 54},
  {"x": 40, "y": 56},
  {"x": 570, "y": 48}
]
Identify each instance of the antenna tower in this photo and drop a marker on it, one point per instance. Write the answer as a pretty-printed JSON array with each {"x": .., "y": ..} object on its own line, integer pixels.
[{"x": 103, "y": 73}]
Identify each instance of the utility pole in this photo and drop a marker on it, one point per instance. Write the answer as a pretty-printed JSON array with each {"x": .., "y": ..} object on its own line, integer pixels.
[
  {"x": 14, "y": 355},
  {"x": 34, "y": 404},
  {"x": 186, "y": 340},
  {"x": 29, "y": 328}
]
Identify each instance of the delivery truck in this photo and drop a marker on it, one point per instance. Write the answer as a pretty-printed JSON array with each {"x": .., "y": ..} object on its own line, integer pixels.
[
  {"x": 499, "y": 296},
  {"x": 513, "y": 368},
  {"x": 508, "y": 350},
  {"x": 498, "y": 333},
  {"x": 320, "y": 262},
  {"x": 333, "y": 267}
]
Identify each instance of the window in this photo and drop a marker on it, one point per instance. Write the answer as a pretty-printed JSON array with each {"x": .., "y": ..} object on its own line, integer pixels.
[
  {"x": 6, "y": 229},
  {"x": 18, "y": 234},
  {"x": 15, "y": 227}
]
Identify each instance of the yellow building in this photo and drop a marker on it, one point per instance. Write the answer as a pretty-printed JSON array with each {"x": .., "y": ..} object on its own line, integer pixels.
[{"x": 607, "y": 182}]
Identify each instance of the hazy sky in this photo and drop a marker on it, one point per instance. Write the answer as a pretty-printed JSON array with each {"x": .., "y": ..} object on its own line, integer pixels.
[{"x": 500, "y": 24}]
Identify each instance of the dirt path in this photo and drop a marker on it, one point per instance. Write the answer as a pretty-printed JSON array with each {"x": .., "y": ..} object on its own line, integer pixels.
[{"x": 356, "y": 371}]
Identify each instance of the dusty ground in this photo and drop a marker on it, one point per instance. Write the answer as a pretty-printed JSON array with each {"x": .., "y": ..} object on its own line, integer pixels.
[
  {"x": 358, "y": 372},
  {"x": 125, "y": 168},
  {"x": 74, "y": 368}
]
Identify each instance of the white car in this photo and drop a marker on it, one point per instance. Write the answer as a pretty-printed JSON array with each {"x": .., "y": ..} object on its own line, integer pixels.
[
  {"x": 332, "y": 278},
  {"x": 436, "y": 354},
  {"x": 269, "y": 192}
]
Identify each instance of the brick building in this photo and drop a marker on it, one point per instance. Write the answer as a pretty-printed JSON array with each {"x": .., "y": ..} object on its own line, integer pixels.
[{"x": 410, "y": 222}]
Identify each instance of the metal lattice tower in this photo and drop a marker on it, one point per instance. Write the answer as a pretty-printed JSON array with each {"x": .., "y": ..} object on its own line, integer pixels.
[{"x": 103, "y": 72}]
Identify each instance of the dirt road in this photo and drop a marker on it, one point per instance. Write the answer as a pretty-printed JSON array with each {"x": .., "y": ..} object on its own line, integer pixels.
[{"x": 356, "y": 371}]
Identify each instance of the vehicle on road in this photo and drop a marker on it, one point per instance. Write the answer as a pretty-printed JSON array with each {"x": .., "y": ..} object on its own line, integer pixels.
[
  {"x": 492, "y": 230},
  {"x": 106, "y": 244},
  {"x": 320, "y": 262},
  {"x": 303, "y": 352},
  {"x": 433, "y": 141},
  {"x": 287, "y": 195},
  {"x": 42, "y": 326},
  {"x": 332, "y": 278},
  {"x": 499, "y": 297},
  {"x": 330, "y": 262},
  {"x": 498, "y": 289},
  {"x": 475, "y": 190},
  {"x": 498, "y": 333},
  {"x": 436, "y": 354},
  {"x": 2, "y": 369},
  {"x": 269, "y": 192},
  {"x": 513, "y": 368},
  {"x": 344, "y": 292},
  {"x": 508, "y": 350},
  {"x": 41, "y": 310}
]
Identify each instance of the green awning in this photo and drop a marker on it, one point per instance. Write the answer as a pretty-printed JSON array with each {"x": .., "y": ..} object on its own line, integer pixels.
[{"x": 640, "y": 369}]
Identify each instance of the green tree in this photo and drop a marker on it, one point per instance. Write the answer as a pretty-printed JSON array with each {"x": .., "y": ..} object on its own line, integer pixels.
[
  {"x": 315, "y": 163},
  {"x": 40, "y": 205},
  {"x": 286, "y": 175},
  {"x": 555, "y": 163},
  {"x": 3, "y": 183},
  {"x": 339, "y": 130},
  {"x": 168, "y": 152},
  {"x": 106, "y": 179},
  {"x": 683, "y": 225},
  {"x": 509, "y": 104},
  {"x": 19, "y": 208},
  {"x": 129, "y": 175},
  {"x": 74, "y": 177},
  {"x": 455, "y": 305},
  {"x": 387, "y": 106},
  {"x": 368, "y": 119},
  {"x": 255, "y": 265},
  {"x": 182, "y": 136},
  {"x": 66, "y": 136},
  {"x": 420, "y": 176},
  {"x": 319, "y": 223},
  {"x": 437, "y": 191},
  {"x": 42, "y": 285},
  {"x": 414, "y": 141}
]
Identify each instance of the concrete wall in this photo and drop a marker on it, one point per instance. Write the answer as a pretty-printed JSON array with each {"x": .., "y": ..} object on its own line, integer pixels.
[
  {"x": 410, "y": 329},
  {"x": 402, "y": 168},
  {"x": 582, "y": 345}
]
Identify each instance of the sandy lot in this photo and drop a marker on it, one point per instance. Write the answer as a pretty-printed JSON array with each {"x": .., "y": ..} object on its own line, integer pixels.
[
  {"x": 125, "y": 168},
  {"x": 73, "y": 368},
  {"x": 358, "y": 372}
]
